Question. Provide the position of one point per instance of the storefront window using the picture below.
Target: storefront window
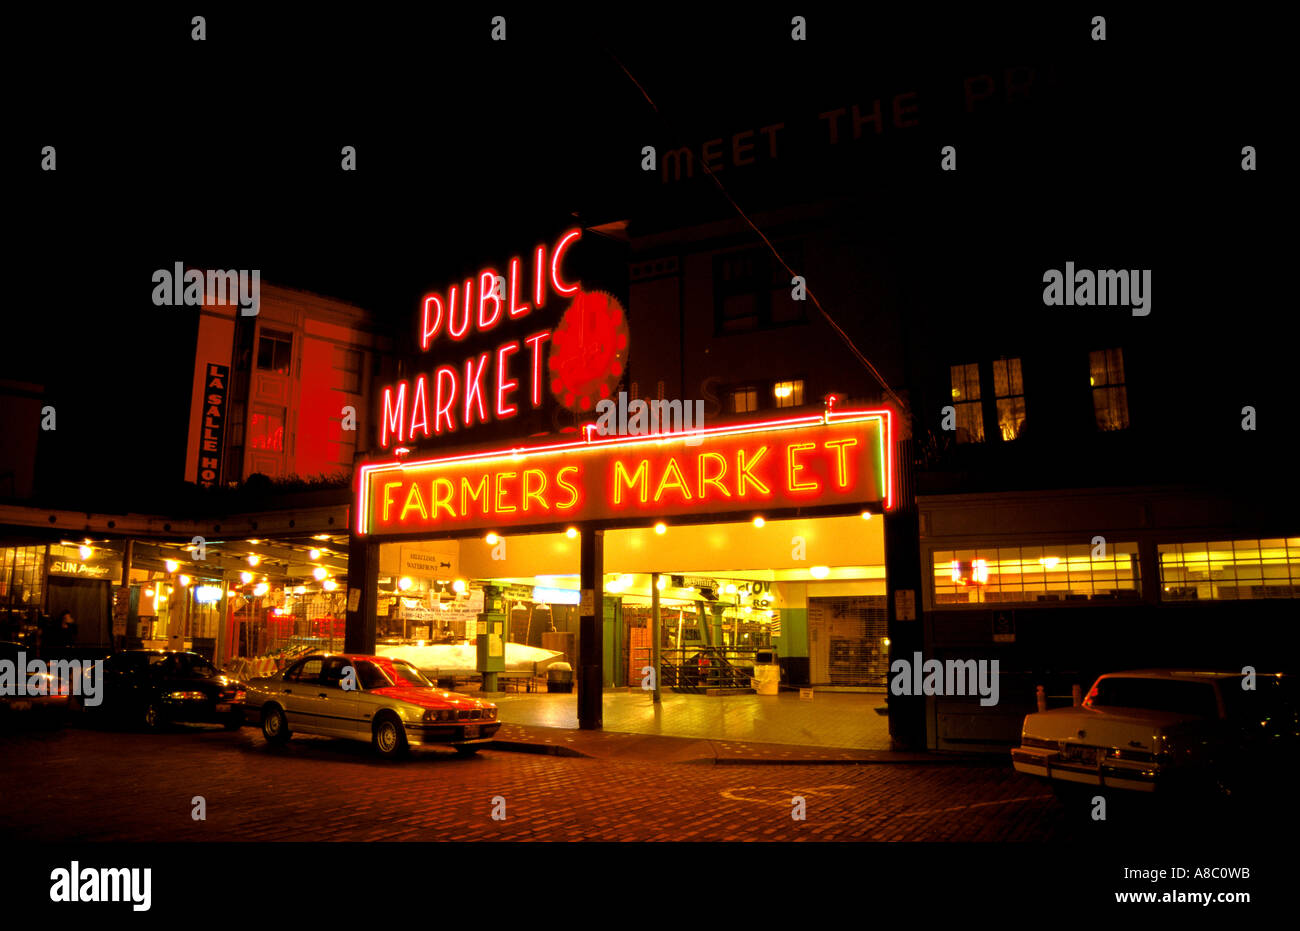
(20, 586)
(1036, 574)
(1230, 570)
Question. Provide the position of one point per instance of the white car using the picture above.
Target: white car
(378, 699)
(1151, 729)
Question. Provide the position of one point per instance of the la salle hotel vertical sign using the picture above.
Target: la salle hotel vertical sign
(216, 386)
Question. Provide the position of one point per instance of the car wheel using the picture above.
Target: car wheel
(389, 737)
(153, 716)
(275, 727)
(466, 751)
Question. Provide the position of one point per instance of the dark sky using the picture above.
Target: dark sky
(225, 153)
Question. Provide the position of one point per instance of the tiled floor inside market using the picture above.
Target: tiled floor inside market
(830, 719)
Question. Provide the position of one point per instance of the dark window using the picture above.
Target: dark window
(370, 677)
(348, 363)
(752, 291)
(308, 670)
(332, 671)
(275, 351)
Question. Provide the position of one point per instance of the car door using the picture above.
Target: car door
(301, 684)
(334, 706)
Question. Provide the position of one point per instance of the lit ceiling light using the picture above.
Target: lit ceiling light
(759, 522)
(254, 559)
(320, 572)
(459, 586)
(661, 528)
(313, 554)
(730, 589)
(261, 589)
(613, 585)
(491, 539)
(819, 572)
(85, 552)
(626, 581)
(148, 592)
(571, 532)
(300, 590)
(185, 580)
(404, 583)
(1051, 562)
(329, 585)
(245, 577)
(172, 565)
(663, 582)
(255, 542)
(866, 515)
(321, 536)
(783, 389)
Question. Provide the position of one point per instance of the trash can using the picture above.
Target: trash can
(766, 679)
(559, 677)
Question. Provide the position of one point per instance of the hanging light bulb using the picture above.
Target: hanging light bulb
(245, 577)
(313, 554)
(85, 551)
(459, 586)
(261, 589)
(404, 583)
(254, 559)
(172, 565)
(320, 572)
(329, 585)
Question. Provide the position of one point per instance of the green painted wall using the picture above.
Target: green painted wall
(794, 633)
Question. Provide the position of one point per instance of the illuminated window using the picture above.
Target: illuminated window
(1036, 574)
(1109, 398)
(266, 430)
(743, 400)
(275, 351)
(1009, 389)
(788, 393)
(966, 399)
(1230, 570)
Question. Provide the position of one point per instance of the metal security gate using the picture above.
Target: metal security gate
(849, 634)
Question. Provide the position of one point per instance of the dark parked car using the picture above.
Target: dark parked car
(157, 687)
(41, 699)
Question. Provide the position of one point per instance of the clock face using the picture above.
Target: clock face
(588, 351)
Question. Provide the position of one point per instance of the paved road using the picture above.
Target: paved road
(108, 785)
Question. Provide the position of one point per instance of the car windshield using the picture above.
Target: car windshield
(410, 675)
(1175, 695)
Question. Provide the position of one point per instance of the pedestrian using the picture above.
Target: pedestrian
(66, 633)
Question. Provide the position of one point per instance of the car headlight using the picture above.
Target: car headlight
(489, 714)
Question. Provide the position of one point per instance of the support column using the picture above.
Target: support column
(363, 576)
(907, 713)
(656, 634)
(591, 624)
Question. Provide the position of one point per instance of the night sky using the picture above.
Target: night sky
(225, 154)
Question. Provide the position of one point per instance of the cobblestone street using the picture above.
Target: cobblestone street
(103, 785)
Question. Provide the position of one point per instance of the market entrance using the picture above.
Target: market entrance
(611, 501)
(748, 613)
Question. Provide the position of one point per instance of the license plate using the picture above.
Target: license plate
(1086, 755)
(471, 730)
(221, 708)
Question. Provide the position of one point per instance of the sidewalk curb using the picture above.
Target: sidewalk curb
(543, 749)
